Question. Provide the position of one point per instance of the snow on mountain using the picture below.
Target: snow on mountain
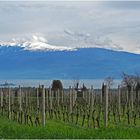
(37, 43)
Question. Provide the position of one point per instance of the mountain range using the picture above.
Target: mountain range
(85, 63)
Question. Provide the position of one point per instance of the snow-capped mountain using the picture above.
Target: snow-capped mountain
(37, 43)
(40, 43)
(86, 63)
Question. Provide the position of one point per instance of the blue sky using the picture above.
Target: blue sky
(113, 25)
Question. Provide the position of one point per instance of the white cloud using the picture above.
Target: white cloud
(74, 24)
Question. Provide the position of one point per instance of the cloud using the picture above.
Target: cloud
(104, 24)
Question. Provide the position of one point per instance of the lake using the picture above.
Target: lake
(97, 83)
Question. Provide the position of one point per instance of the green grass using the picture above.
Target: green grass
(57, 129)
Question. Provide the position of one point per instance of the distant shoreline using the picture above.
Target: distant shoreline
(96, 83)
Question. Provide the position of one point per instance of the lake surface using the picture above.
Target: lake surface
(97, 83)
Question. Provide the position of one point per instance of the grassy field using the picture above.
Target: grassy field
(57, 129)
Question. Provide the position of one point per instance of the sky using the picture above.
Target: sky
(104, 24)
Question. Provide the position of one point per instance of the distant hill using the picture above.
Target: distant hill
(86, 63)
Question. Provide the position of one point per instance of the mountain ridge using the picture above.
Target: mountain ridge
(84, 63)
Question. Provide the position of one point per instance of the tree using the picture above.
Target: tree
(57, 85)
(129, 81)
(109, 81)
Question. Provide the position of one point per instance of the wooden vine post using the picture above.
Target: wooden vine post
(83, 92)
(75, 96)
(47, 104)
(92, 98)
(37, 96)
(127, 98)
(119, 100)
(9, 103)
(106, 105)
(58, 97)
(26, 99)
(12, 97)
(132, 94)
(20, 99)
(62, 97)
(43, 106)
(70, 97)
(89, 98)
(50, 97)
(101, 96)
(138, 95)
(1, 98)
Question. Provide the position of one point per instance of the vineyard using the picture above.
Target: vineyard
(83, 110)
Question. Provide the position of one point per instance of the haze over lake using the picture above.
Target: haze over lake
(97, 83)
